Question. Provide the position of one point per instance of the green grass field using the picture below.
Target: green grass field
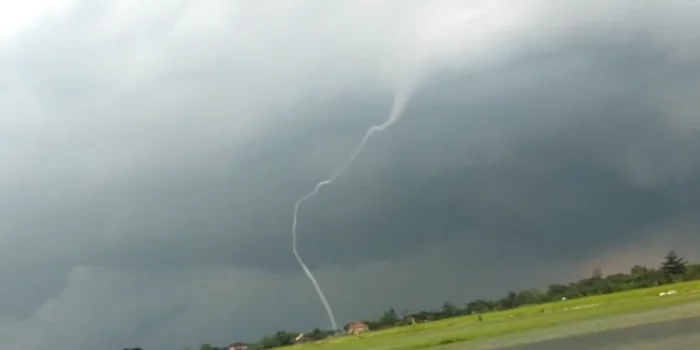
(466, 329)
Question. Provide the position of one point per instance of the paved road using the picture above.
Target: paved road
(671, 335)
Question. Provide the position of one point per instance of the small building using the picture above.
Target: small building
(357, 328)
(238, 346)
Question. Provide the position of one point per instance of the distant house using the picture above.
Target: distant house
(357, 328)
(238, 346)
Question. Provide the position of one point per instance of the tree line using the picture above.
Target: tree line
(672, 269)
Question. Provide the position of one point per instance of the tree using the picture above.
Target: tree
(389, 319)
(478, 306)
(692, 272)
(509, 301)
(597, 272)
(449, 309)
(600, 286)
(673, 265)
(638, 270)
(529, 297)
(556, 291)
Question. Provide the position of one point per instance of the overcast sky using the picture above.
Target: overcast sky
(152, 152)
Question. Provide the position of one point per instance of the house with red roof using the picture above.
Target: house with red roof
(357, 328)
(238, 346)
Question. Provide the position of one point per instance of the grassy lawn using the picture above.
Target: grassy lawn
(465, 329)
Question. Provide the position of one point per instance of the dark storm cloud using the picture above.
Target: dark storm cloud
(153, 155)
(542, 165)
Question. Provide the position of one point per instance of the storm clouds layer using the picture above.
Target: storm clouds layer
(152, 152)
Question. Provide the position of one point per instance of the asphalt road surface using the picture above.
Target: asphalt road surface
(681, 334)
